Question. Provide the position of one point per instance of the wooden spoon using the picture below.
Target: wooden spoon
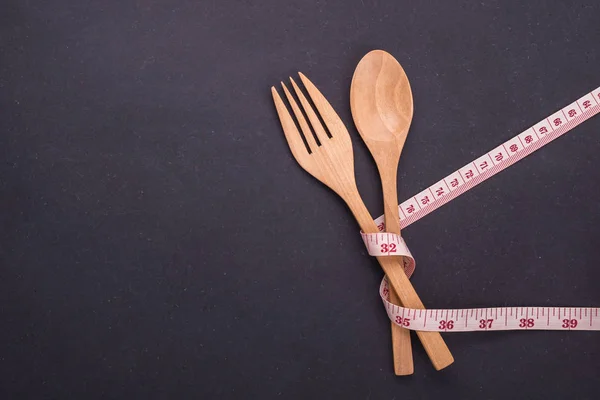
(382, 108)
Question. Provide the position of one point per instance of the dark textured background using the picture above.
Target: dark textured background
(158, 240)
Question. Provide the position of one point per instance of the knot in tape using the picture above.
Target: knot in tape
(389, 244)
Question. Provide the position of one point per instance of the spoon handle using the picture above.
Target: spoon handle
(401, 343)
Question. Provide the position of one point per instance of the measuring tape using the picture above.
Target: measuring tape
(492, 319)
(452, 186)
(476, 319)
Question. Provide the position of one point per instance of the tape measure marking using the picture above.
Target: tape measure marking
(452, 186)
(503, 156)
(389, 244)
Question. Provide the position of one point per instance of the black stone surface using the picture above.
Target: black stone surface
(157, 240)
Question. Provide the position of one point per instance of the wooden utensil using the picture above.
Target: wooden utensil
(331, 161)
(382, 108)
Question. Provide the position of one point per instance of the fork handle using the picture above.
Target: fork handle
(434, 345)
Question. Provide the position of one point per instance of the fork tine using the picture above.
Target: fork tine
(330, 117)
(314, 120)
(310, 139)
(289, 129)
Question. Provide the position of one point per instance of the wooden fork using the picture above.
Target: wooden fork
(332, 162)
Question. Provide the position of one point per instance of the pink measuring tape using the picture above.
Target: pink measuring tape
(452, 186)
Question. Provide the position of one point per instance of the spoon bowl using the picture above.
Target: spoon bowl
(381, 102)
